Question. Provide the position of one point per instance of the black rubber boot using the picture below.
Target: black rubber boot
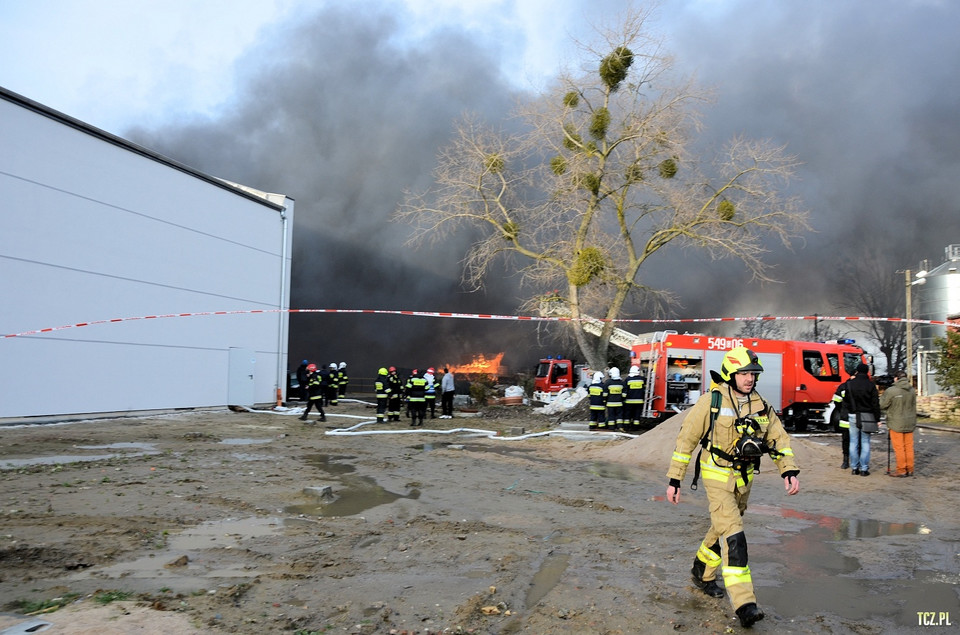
(710, 587)
(749, 614)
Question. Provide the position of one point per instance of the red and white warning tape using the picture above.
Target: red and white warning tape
(487, 316)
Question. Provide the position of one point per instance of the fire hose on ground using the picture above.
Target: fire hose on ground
(358, 428)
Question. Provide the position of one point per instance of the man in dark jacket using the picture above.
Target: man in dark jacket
(302, 379)
(861, 398)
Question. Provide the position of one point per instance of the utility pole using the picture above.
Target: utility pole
(909, 361)
(908, 282)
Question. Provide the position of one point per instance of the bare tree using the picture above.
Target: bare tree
(819, 332)
(762, 329)
(870, 288)
(601, 177)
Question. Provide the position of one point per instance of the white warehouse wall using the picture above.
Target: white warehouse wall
(95, 228)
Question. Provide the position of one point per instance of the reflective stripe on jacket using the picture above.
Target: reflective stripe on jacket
(598, 396)
(634, 389)
(615, 393)
(416, 389)
(696, 423)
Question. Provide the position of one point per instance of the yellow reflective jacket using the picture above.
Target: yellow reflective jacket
(724, 435)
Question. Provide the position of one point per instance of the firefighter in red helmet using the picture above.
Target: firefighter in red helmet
(315, 393)
(396, 394)
(734, 427)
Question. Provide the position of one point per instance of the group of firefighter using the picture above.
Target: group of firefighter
(617, 403)
(321, 387)
(325, 386)
(419, 392)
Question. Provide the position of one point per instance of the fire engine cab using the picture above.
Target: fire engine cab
(798, 380)
(557, 374)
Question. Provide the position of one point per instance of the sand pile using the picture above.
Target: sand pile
(654, 448)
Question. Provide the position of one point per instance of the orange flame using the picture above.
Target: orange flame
(480, 365)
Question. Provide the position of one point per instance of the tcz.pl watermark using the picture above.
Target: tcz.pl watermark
(933, 618)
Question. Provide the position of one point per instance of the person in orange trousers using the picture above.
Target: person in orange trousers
(899, 401)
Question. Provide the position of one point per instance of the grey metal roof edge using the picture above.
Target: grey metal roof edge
(29, 104)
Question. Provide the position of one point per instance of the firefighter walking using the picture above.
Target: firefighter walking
(315, 390)
(734, 427)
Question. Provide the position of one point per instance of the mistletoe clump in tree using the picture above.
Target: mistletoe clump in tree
(602, 177)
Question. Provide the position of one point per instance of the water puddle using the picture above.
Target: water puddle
(223, 533)
(245, 456)
(128, 445)
(546, 578)
(358, 494)
(244, 441)
(818, 575)
(844, 528)
(331, 463)
(430, 447)
(145, 449)
(201, 551)
(504, 450)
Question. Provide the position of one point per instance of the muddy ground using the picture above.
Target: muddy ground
(253, 522)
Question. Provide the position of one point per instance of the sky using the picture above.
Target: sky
(343, 104)
(117, 63)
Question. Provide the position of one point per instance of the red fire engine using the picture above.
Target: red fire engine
(798, 380)
(555, 374)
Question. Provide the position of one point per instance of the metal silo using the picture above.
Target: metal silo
(938, 298)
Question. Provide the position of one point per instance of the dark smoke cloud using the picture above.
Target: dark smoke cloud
(340, 112)
(337, 113)
(864, 94)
